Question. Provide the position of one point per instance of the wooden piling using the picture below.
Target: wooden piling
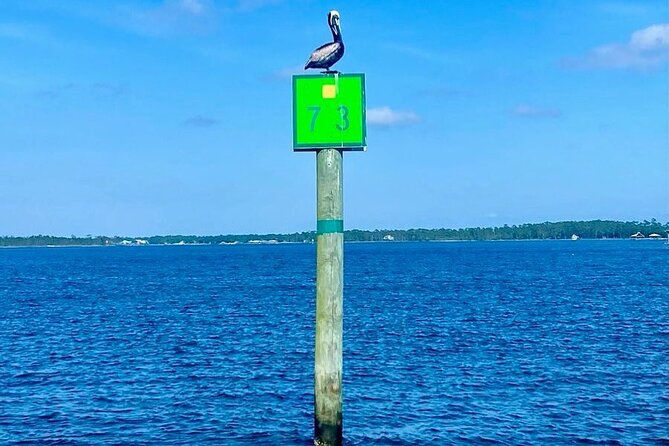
(329, 299)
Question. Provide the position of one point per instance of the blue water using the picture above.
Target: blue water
(541, 343)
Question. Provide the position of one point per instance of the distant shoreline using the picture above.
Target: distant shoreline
(382, 242)
(564, 230)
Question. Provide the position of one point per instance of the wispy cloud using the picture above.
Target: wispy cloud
(56, 91)
(22, 31)
(624, 8)
(168, 18)
(419, 53)
(183, 16)
(387, 117)
(252, 5)
(71, 88)
(155, 18)
(149, 18)
(530, 111)
(192, 6)
(646, 49)
(443, 92)
(110, 89)
(200, 121)
(284, 74)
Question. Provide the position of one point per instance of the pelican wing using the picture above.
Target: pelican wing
(322, 54)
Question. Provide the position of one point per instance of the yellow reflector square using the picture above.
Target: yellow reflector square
(329, 92)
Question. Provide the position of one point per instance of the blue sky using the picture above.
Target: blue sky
(155, 117)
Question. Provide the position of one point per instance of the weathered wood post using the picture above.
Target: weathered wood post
(329, 118)
(329, 298)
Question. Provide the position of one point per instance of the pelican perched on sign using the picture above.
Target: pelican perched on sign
(329, 54)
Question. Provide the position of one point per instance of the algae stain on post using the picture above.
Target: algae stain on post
(329, 299)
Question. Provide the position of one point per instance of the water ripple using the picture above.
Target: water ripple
(460, 343)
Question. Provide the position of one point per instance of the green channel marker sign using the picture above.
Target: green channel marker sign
(329, 112)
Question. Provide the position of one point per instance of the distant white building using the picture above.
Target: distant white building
(125, 243)
(141, 242)
(637, 235)
(388, 238)
(654, 236)
(263, 242)
(575, 237)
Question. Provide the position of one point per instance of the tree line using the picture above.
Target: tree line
(593, 229)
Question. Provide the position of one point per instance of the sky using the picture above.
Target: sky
(138, 117)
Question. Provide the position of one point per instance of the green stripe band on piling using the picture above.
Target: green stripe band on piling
(329, 227)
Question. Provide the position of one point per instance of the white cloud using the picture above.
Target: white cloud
(530, 111)
(646, 49)
(654, 37)
(385, 116)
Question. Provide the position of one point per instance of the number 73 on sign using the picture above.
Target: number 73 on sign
(329, 112)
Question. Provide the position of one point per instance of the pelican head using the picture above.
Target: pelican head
(333, 20)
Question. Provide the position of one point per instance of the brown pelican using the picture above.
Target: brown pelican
(329, 54)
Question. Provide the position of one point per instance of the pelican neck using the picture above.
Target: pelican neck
(336, 33)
